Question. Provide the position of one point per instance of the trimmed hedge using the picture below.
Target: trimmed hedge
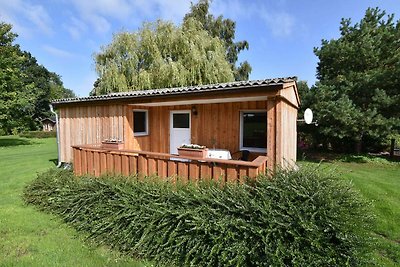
(302, 218)
(38, 134)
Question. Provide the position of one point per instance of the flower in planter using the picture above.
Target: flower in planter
(192, 146)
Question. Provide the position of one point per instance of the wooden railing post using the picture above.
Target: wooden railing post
(77, 164)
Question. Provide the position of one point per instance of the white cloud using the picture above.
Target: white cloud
(75, 27)
(233, 9)
(99, 14)
(281, 24)
(26, 16)
(172, 10)
(108, 8)
(278, 21)
(38, 15)
(99, 23)
(58, 52)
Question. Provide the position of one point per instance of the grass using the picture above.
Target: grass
(381, 184)
(32, 238)
(378, 180)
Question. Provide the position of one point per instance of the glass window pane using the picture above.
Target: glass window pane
(181, 120)
(255, 129)
(139, 122)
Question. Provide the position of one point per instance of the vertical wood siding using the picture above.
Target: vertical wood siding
(271, 133)
(89, 125)
(213, 121)
(286, 149)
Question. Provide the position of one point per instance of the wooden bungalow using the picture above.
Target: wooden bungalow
(48, 124)
(140, 131)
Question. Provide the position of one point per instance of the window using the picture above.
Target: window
(140, 122)
(253, 131)
(181, 120)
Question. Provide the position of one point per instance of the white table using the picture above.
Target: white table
(219, 154)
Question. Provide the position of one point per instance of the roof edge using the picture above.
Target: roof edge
(178, 90)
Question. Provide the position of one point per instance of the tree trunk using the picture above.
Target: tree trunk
(392, 141)
(359, 144)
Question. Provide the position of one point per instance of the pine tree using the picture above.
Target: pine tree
(357, 98)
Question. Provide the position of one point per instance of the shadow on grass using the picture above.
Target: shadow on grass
(55, 161)
(369, 158)
(14, 141)
(355, 159)
(323, 156)
(317, 156)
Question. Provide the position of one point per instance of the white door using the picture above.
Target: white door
(179, 130)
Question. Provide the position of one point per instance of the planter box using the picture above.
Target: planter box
(194, 153)
(112, 145)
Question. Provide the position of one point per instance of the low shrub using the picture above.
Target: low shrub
(297, 218)
(366, 158)
(38, 134)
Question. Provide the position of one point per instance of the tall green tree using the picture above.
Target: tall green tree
(46, 86)
(26, 88)
(225, 30)
(161, 55)
(357, 98)
(14, 105)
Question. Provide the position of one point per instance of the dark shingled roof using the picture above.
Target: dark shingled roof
(179, 90)
(52, 119)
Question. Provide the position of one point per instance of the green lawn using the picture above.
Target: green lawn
(378, 180)
(32, 238)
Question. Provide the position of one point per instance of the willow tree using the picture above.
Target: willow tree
(225, 30)
(161, 55)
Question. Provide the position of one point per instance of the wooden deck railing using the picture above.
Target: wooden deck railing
(92, 159)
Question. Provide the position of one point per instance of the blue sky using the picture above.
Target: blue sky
(64, 34)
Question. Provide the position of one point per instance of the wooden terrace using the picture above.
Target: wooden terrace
(95, 160)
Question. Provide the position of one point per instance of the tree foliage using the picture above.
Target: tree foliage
(225, 30)
(161, 55)
(357, 98)
(26, 88)
(12, 100)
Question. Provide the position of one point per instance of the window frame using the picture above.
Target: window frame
(181, 112)
(251, 149)
(146, 111)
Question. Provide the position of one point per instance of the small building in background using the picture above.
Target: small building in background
(49, 124)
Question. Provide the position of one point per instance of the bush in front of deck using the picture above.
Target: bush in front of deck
(302, 218)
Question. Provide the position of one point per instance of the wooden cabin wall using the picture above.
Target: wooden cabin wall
(92, 124)
(286, 149)
(89, 125)
(220, 122)
(158, 138)
(290, 94)
(272, 132)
